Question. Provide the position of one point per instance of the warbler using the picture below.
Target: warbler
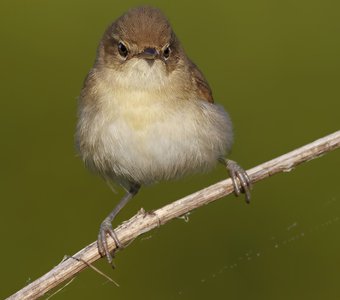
(146, 112)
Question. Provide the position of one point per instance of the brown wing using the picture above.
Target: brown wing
(201, 83)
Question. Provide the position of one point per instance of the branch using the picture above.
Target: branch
(143, 221)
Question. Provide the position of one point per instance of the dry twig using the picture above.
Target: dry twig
(143, 221)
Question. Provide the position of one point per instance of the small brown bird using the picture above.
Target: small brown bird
(146, 113)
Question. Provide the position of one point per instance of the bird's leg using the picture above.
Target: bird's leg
(106, 225)
(239, 177)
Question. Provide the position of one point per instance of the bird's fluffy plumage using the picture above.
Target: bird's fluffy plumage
(141, 122)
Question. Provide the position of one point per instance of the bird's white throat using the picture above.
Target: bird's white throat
(141, 74)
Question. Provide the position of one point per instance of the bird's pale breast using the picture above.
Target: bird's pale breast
(145, 137)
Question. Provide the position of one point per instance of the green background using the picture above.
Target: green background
(274, 65)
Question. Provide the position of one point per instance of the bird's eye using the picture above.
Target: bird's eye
(166, 52)
(122, 49)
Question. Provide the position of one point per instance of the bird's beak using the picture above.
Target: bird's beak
(149, 53)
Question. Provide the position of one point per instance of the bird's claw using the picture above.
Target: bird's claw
(106, 228)
(240, 179)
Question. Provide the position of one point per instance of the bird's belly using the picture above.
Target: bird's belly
(161, 142)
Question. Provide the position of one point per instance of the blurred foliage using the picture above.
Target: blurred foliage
(275, 66)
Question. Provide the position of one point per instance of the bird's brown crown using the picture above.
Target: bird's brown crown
(146, 26)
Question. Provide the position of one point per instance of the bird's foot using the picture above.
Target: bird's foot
(239, 177)
(106, 228)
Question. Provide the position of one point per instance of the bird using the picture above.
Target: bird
(146, 113)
